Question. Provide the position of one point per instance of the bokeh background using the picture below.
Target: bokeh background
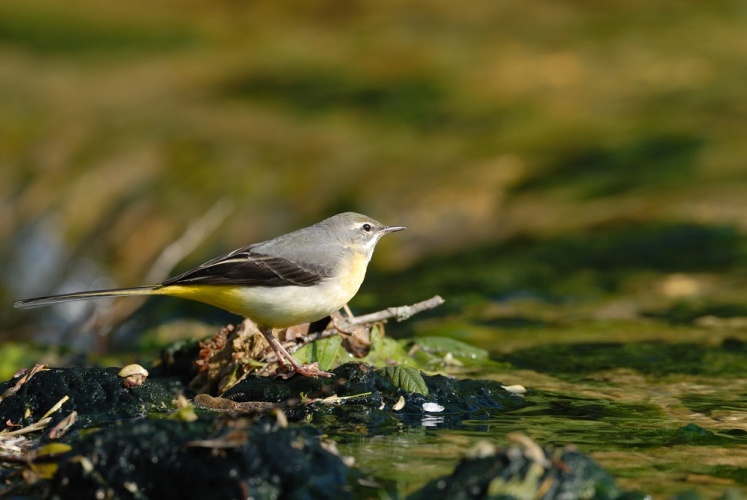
(573, 176)
(549, 158)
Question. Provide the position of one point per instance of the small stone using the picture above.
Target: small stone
(134, 375)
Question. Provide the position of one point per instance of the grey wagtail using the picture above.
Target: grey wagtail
(296, 278)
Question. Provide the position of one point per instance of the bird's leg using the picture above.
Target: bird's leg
(283, 355)
(337, 318)
(347, 310)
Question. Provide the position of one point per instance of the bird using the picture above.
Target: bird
(299, 277)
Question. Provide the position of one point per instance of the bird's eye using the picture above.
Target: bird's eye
(366, 227)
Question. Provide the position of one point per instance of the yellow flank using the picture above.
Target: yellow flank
(280, 307)
(224, 297)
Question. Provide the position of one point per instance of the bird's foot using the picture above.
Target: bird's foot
(286, 371)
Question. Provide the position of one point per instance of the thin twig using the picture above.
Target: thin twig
(25, 378)
(401, 313)
(36, 426)
(196, 232)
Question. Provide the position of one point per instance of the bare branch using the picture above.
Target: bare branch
(401, 313)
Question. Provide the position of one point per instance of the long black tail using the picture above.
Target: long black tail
(95, 294)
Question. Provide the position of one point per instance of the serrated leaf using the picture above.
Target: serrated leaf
(407, 378)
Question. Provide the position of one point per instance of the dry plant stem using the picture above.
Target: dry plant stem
(196, 233)
(25, 378)
(36, 426)
(103, 321)
(227, 406)
(401, 313)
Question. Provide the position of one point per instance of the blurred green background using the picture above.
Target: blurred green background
(579, 153)
(573, 176)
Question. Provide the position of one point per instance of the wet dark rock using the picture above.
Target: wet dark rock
(116, 452)
(208, 458)
(513, 473)
(178, 360)
(449, 402)
(97, 394)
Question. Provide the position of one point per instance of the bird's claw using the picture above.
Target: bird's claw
(287, 371)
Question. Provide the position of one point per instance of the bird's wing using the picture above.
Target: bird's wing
(246, 267)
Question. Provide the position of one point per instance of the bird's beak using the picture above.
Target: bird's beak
(392, 229)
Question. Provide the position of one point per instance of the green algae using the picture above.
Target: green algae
(650, 358)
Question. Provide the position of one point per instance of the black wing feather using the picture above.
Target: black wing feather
(248, 268)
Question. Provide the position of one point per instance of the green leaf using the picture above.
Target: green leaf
(385, 350)
(327, 352)
(407, 378)
(443, 345)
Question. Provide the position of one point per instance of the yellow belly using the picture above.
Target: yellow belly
(279, 307)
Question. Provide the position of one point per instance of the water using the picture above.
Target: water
(662, 437)
(626, 356)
